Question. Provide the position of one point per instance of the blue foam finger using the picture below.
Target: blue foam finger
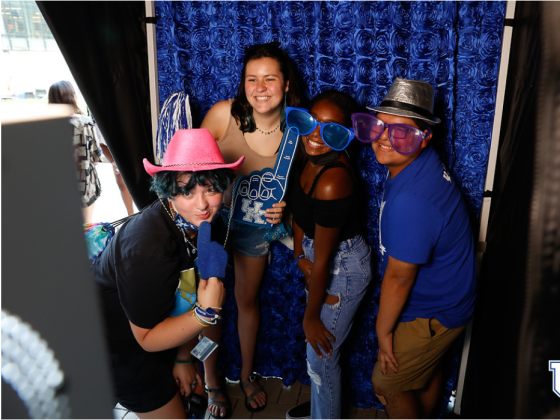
(258, 191)
(212, 257)
(204, 235)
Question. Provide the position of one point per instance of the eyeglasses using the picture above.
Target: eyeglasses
(404, 138)
(336, 136)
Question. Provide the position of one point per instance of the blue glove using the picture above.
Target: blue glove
(212, 257)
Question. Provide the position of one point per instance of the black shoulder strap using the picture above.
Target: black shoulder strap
(119, 222)
(330, 165)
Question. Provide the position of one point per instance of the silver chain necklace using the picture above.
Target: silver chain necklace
(194, 248)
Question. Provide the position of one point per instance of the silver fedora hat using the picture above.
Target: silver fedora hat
(411, 99)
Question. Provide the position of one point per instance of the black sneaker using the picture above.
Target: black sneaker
(300, 411)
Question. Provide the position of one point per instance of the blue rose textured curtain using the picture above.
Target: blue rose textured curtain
(359, 48)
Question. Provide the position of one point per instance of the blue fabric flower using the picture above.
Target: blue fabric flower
(358, 47)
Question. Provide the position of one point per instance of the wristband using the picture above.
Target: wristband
(183, 361)
(296, 269)
(210, 311)
(206, 313)
(203, 324)
(199, 315)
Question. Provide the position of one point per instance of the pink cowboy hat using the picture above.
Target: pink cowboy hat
(192, 150)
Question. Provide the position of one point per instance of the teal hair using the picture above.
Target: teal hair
(165, 184)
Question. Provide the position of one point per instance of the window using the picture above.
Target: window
(24, 27)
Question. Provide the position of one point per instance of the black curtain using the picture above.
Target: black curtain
(493, 371)
(490, 379)
(539, 338)
(104, 44)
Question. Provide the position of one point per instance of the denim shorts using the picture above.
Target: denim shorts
(248, 240)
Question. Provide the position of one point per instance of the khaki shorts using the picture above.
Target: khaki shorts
(418, 346)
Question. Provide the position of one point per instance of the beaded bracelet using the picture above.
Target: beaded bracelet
(183, 362)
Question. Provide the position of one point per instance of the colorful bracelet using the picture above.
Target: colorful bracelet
(200, 314)
(207, 312)
(197, 304)
(197, 320)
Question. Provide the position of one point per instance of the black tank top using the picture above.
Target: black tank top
(308, 211)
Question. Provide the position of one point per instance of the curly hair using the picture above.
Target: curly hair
(342, 101)
(165, 185)
(241, 109)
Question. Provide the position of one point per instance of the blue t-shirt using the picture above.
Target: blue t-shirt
(424, 220)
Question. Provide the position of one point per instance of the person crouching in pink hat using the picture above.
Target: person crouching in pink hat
(160, 288)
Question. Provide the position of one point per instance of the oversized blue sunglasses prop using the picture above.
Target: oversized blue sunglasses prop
(336, 136)
(404, 138)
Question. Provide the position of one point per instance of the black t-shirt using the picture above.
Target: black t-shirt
(138, 276)
(138, 273)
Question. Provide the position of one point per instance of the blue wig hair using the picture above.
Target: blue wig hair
(165, 184)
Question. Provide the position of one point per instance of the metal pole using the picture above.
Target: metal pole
(153, 73)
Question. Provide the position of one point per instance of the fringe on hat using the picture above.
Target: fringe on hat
(175, 115)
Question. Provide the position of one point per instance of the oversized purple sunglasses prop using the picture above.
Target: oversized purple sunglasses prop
(404, 138)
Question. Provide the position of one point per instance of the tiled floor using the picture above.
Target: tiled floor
(280, 400)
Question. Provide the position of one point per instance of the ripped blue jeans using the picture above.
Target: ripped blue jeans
(350, 275)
